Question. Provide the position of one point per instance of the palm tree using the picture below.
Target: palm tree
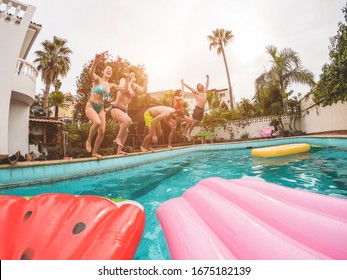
(267, 99)
(53, 61)
(286, 69)
(57, 99)
(219, 39)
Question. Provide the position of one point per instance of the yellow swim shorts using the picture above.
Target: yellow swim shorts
(148, 119)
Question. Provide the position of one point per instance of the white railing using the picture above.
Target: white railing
(26, 69)
(11, 11)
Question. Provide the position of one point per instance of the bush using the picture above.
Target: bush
(245, 135)
(54, 153)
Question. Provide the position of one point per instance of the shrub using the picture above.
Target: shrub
(245, 135)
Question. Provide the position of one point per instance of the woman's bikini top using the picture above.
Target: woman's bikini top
(130, 91)
(100, 90)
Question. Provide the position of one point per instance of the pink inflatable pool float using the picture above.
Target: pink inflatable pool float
(252, 220)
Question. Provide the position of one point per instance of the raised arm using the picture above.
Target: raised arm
(92, 75)
(139, 89)
(160, 117)
(123, 84)
(207, 82)
(190, 88)
(154, 122)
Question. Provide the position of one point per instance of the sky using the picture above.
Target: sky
(170, 37)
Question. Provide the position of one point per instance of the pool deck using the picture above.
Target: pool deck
(69, 160)
(28, 173)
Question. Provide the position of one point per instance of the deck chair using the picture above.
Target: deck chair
(266, 132)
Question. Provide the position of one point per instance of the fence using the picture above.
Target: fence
(313, 119)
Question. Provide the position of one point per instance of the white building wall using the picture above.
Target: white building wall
(18, 128)
(12, 34)
(323, 119)
(225, 97)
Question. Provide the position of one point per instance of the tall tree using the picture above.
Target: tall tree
(53, 61)
(332, 84)
(286, 69)
(220, 39)
(246, 108)
(267, 99)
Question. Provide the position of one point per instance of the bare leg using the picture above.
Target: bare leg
(188, 130)
(92, 131)
(171, 135)
(123, 137)
(101, 134)
(124, 122)
(146, 142)
(187, 121)
(95, 118)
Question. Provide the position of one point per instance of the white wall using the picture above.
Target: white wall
(313, 120)
(323, 119)
(12, 36)
(18, 128)
(251, 126)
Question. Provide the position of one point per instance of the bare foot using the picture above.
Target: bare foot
(188, 137)
(151, 149)
(143, 149)
(170, 147)
(119, 150)
(97, 156)
(88, 146)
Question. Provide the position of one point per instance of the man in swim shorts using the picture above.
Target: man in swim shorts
(198, 113)
(153, 117)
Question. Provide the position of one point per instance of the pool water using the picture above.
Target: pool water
(322, 170)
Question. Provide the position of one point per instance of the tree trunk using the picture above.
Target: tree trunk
(46, 97)
(229, 82)
(285, 106)
(56, 111)
(284, 97)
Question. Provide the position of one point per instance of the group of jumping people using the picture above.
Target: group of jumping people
(126, 89)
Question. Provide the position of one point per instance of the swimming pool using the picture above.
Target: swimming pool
(322, 170)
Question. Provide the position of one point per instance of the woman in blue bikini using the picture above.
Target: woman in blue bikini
(95, 106)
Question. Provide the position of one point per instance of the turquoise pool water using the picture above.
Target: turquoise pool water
(321, 170)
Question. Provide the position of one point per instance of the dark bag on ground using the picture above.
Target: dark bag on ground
(13, 159)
